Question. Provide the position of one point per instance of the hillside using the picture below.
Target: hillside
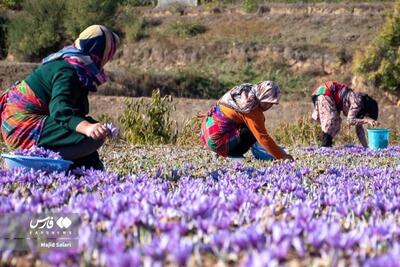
(299, 45)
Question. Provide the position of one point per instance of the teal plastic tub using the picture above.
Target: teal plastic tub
(36, 163)
(378, 138)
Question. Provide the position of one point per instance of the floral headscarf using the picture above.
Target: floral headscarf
(95, 46)
(246, 97)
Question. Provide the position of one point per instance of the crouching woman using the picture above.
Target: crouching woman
(237, 122)
(49, 108)
(331, 98)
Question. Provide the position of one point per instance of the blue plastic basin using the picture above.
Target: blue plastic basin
(378, 138)
(260, 153)
(36, 163)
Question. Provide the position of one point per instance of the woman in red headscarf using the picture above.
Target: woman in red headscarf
(49, 108)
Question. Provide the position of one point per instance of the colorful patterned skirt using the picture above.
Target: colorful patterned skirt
(219, 133)
(22, 116)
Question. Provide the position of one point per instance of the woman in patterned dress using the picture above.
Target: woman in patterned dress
(49, 108)
(236, 122)
(333, 97)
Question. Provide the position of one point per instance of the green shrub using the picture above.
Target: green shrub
(250, 5)
(187, 29)
(135, 3)
(149, 123)
(45, 25)
(10, 4)
(82, 14)
(197, 85)
(380, 62)
(134, 28)
(37, 30)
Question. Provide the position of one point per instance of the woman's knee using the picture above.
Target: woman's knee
(92, 144)
(98, 143)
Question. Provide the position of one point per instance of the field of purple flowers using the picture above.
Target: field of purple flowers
(185, 207)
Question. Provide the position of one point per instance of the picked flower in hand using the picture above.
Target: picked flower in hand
(113, 130)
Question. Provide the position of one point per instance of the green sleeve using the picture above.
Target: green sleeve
(65, 94)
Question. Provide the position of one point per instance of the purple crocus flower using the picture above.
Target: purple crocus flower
(112, 129)
(40, 152)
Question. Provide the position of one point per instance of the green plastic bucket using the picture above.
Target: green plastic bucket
(378, 138)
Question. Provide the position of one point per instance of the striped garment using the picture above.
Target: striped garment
(219, 133)
(22, 117)
(335, 90)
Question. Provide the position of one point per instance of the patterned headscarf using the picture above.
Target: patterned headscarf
(246, 97)
(95, 46)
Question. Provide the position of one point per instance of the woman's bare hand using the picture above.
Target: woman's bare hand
(371, 122)
(97, 131)
(288, 157)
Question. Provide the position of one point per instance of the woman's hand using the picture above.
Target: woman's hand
(288, 157)
(371, 122)
(97, 131)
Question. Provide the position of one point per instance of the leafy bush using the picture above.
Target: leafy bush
(37, 30)
(133, 28)
(149, 123)
(187, 29)
(44, 25)
(10, 4)
(82, 14)
(197, 85)
(138, 2)
(380, 62)
(250, 5)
